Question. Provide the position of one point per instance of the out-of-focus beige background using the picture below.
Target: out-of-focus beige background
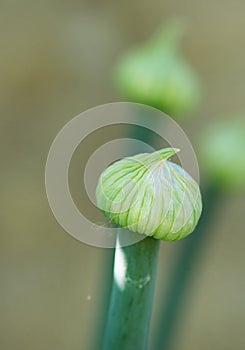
(55, 62)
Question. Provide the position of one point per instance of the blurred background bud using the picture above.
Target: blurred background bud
(156, 73)
(222, 146)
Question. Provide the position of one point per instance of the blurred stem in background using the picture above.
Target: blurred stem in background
(182, 271)
(221, 147)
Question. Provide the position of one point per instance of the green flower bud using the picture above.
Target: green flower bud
(156, 74)
(221, 150)
(148, 194)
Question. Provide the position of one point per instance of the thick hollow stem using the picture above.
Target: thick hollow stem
(132, 296)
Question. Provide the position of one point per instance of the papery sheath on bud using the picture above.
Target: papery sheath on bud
(150, 195)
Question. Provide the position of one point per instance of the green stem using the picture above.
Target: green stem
(132, 296)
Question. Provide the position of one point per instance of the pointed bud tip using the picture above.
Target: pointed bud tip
(166, 153)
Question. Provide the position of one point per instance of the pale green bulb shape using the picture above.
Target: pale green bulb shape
(150, 195)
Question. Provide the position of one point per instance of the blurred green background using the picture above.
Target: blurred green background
(56, 61)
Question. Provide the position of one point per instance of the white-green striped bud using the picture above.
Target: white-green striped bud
(150, 195)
